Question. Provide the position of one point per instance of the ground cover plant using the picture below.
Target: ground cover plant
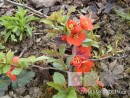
(66, 53)
(17, 25)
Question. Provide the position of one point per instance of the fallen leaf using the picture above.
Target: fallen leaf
(38, 40)
(112, 65)
(104, 67)
(78, 2)
(93, 16)
(108, 8)
(110, 79)
(118, 69)
(41, 3)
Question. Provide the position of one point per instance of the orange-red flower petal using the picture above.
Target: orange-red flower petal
(12, 68)
(85, 67)
(77, 29)
(63, 37)
(86, 23)
(76, 61)
(83, 51)
(12, 76)
(76, 38)
(15, 60)
(71, 25)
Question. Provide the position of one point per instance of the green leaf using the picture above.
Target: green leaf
(58, 65)
(95, 45)
(32, 18)
(31, 59)
(54, 96)
(17, 71)
(21, 36)
(6, 68)
(67, 31)
(2, 46)
(45, 21)
(41, 58)
(24, 63)
(65, 19)
(110, 48)
(59, 78)
(54, 85)
(9, 57)
(2, 55)
(4, 83)
(62, 50)
(21, 12)
(23, 78)
(13, 38)
(122, 14)
(62, 94)
(87, 40)
(15, 29)
(7, 36)
(71, 93)
(68, 60)
(72, 9)
(29, 30)
(51, 52)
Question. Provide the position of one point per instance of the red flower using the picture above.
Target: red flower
(15, 60)
(77, 29)
(86, 23)
(9, 73)
(83, 51)
(85, 67)
(100, 83)
(76, 61)
(12, 76)
(63, 37)
(71, 25)
(76, 38)
(12, 68)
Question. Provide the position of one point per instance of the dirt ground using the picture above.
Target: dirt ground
(112, 28)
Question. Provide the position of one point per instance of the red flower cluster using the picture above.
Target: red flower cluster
(80, 59)
(9, 73)
(76, 36)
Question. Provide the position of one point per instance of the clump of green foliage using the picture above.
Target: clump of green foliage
(57, 22)
(125, 16)
(11, 68)
(17, 26)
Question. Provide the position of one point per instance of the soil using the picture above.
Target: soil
(112, 28)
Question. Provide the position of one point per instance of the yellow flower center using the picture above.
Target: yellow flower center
(75, 36)
(71, 26)
(86, 22)
(77, 59)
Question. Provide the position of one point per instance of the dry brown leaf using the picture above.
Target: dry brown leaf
(41, 3)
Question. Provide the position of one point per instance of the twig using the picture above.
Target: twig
(25, 6)
(46, 68)
(38, 33)
(99, 59)
(28, 46)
